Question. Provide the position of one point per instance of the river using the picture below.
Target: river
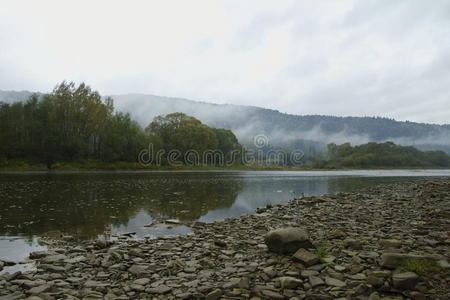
(92, 204)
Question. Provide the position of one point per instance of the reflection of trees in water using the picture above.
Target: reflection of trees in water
(188, 201)
(86, 205)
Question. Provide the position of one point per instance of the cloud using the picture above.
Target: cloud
(362, 58)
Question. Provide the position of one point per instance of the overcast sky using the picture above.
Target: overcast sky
(384, 57)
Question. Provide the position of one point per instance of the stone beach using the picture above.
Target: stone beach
(389, 241)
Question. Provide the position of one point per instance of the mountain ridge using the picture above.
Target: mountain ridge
(278, 127)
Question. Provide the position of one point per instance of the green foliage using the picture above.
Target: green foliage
(72, 126)
(321, 252)
(421, 267)
(186, 134)
(71, 123)
(381, 155)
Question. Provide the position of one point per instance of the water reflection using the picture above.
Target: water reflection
(86, 205)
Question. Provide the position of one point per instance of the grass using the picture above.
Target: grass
(321, 252)
(329, 265)
(421, 267)
(342, 243)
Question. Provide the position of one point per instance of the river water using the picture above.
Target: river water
(88, 205)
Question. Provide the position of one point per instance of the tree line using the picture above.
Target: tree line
(74, 123)
(386, 154)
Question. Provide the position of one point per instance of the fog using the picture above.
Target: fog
(248, 122)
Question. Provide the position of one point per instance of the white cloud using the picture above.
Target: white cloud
(387, 58)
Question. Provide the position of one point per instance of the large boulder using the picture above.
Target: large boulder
(287, 240)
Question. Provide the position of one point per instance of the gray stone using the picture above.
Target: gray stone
(405, 281)
(244, 283)
(272, 295)
(214, 295)
(54, 258)
(305, 257)
(353, 244)
(138, 269)
(334, 282)
(13, 296)
(95, 284)
(161, 289)
(39, 289)
(390, 243)
(287, 240)
(315, 281)
(374, 296)
(307, 273)
(142, 281)
(288, 282)
(41, 254)
(443, 264)
(75, 260)
(52, 268)
(375, 281)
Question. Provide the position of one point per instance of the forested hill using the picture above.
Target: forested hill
(248, 121)
(15, 96)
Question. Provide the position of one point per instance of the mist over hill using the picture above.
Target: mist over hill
(307, 132)
(286, 129)
(15, 96)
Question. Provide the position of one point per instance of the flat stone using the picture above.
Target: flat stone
(95, 284)
(443, 264)
(375, 281)
(374, 296)
(173, 221)
(390, 243)
(75, 260)
(13, 296)
(244, 283)
(142, 281)
(54, 258)
(288, 282)
(334, 282)
(353, 244)
(381, 273)
(161, 289)
(214, 295)
(272, 295)
(39, 289)
(52, 268)
(315, 281)
(307, 273)
(41, 254)
(138, 269)
(137, 287)
(305, 257)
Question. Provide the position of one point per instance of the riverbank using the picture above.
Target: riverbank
(354, 239)
(135, 167)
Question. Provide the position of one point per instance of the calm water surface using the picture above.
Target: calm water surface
(86, 205)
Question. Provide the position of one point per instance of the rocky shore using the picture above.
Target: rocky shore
(385, 242)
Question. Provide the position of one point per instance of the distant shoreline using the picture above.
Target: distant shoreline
(68, 170)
